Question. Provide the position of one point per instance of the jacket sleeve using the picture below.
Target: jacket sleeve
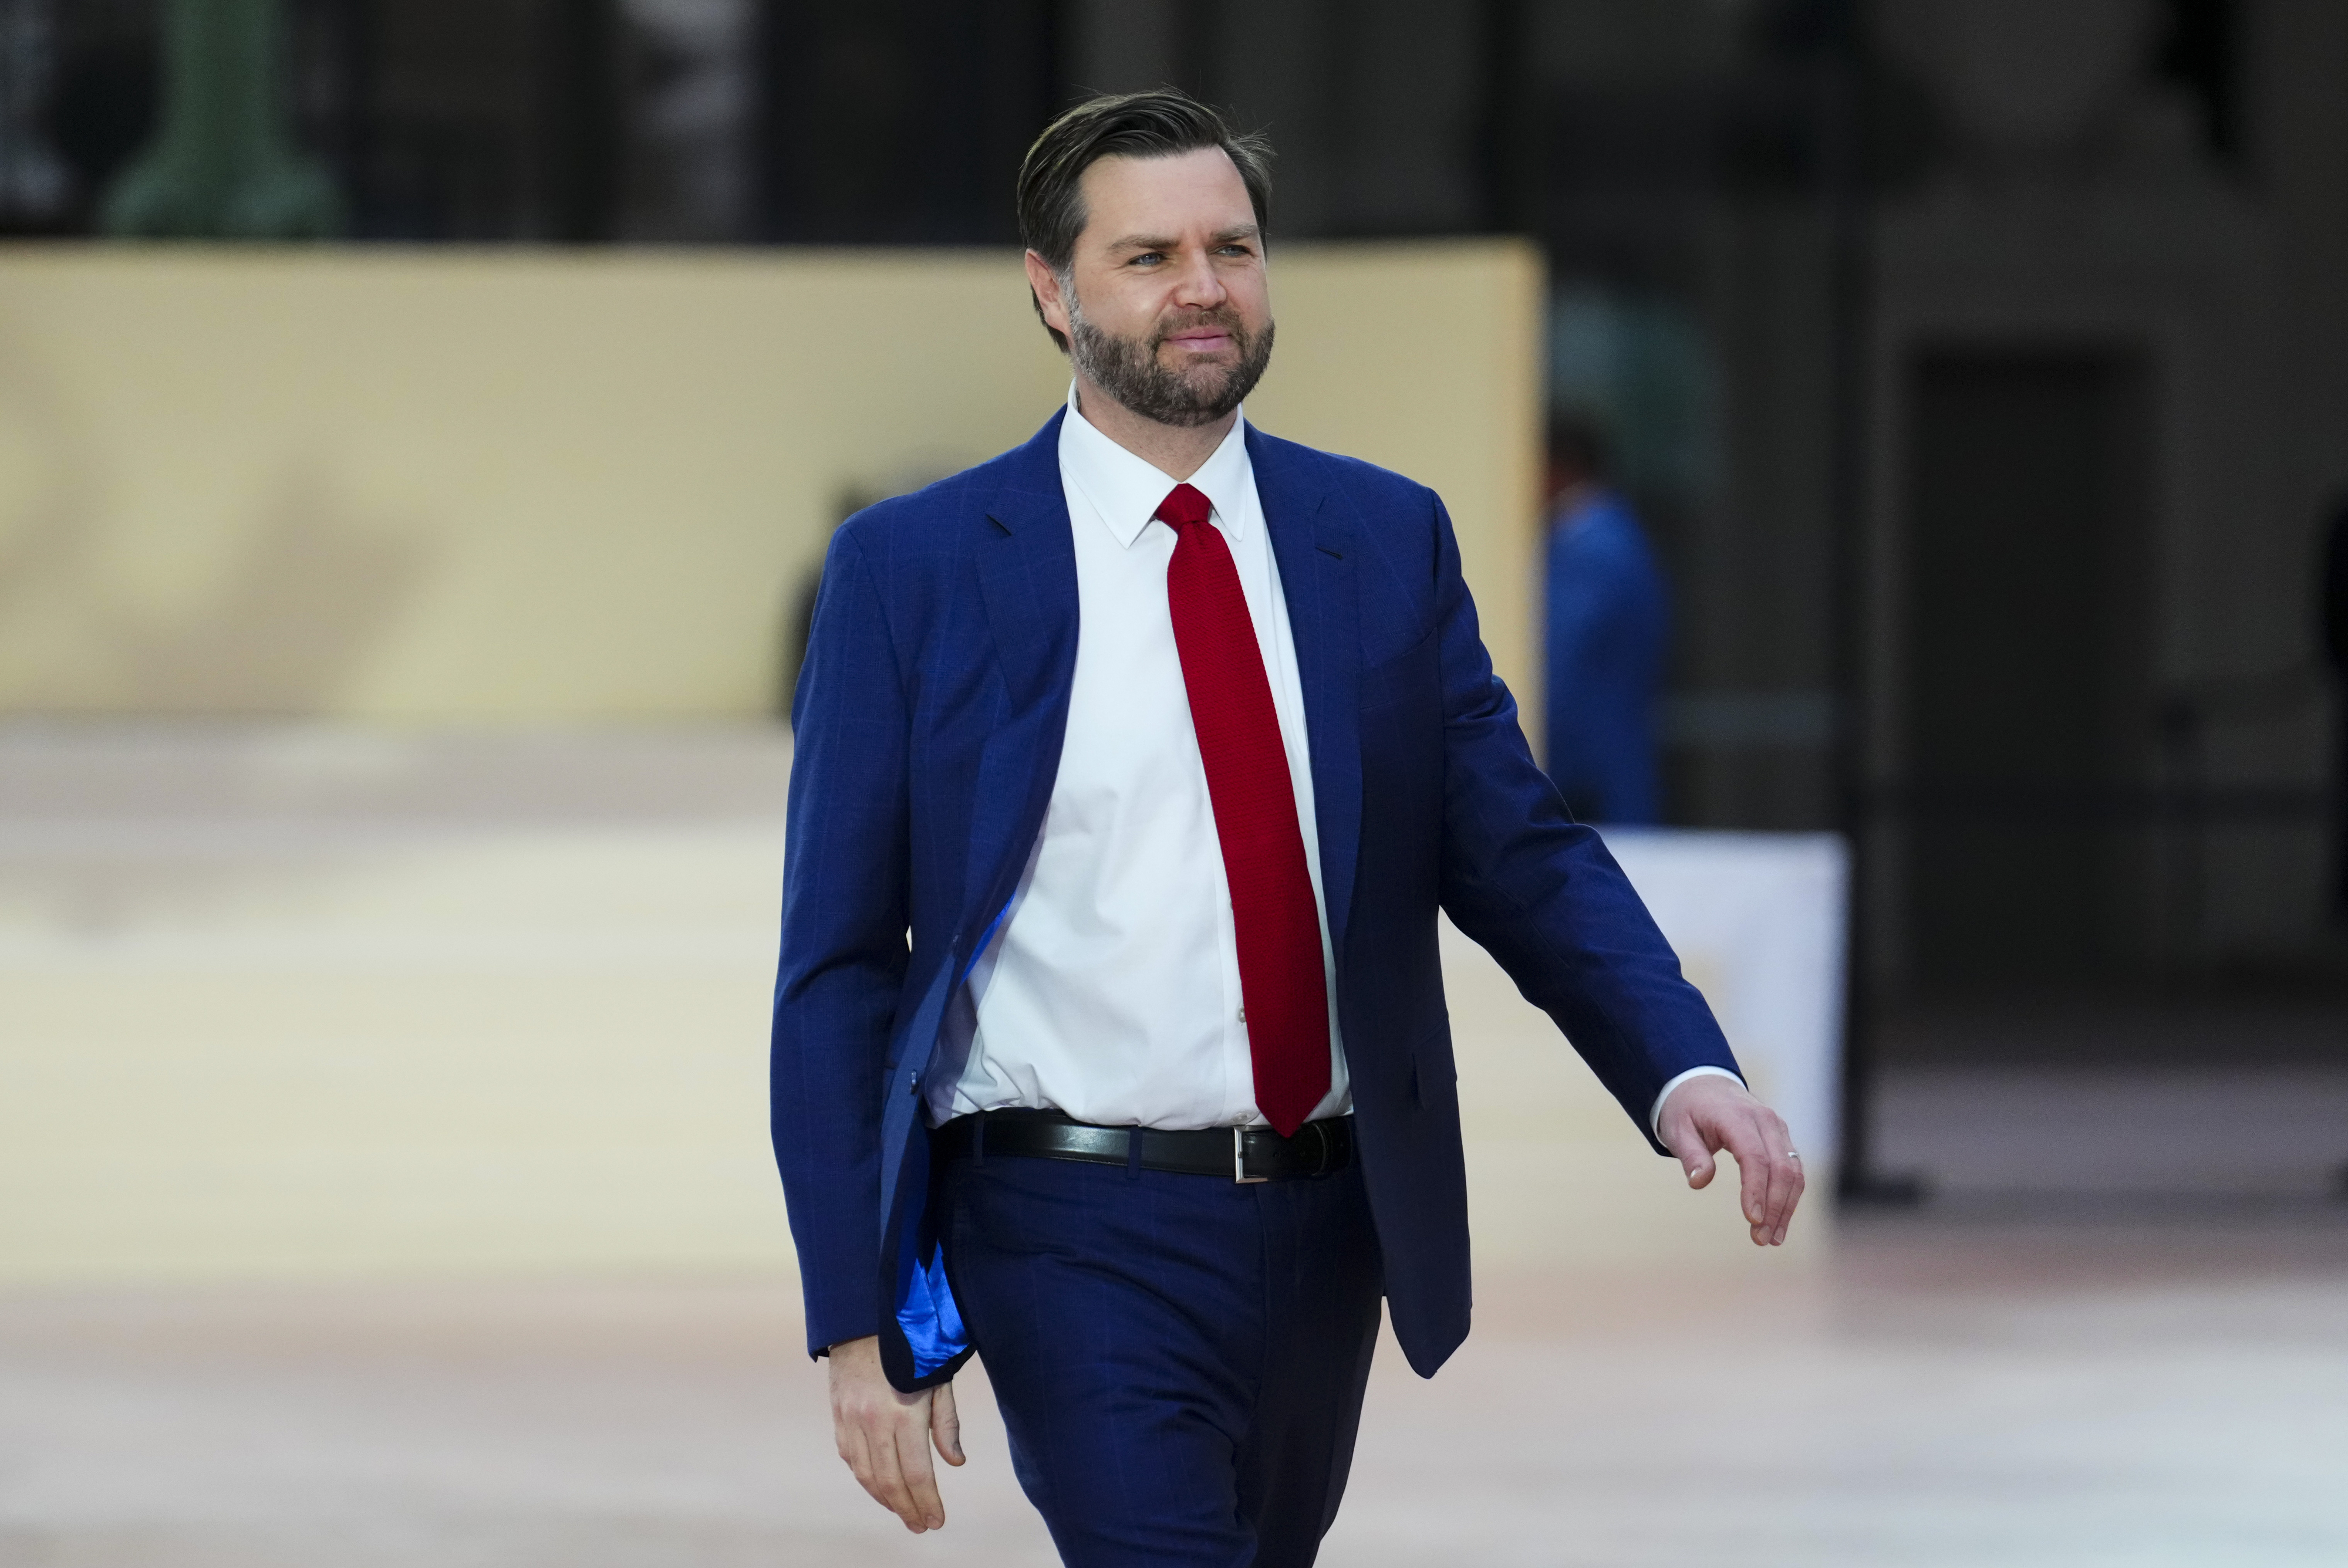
(844, 955)
(1540, 893)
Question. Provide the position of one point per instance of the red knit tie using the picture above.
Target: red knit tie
(1282, 979)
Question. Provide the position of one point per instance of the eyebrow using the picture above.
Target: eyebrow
(1161, 243)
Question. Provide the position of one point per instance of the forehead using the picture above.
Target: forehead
(1163, 196)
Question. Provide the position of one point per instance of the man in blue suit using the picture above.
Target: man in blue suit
(1609, 627)
(1133, 769)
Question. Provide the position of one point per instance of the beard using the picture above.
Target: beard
(1129, 369)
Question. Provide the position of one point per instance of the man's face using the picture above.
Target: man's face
(1166, 307)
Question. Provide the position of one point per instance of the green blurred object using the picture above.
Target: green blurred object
(224, 165)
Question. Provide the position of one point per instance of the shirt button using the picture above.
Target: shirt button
(1244, 1015)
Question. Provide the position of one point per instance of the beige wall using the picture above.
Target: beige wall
(450, 485)
(298, 999)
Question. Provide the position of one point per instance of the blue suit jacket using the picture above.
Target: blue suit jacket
(930, 714)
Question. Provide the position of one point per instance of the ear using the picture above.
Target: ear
(1049, 302)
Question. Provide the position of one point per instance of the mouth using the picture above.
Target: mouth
(1199, 340)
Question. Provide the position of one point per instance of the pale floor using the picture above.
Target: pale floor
(2170, 1134)
(2121, 1338)
(1945, 1393)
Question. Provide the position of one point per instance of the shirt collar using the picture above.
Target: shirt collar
(1127, 490)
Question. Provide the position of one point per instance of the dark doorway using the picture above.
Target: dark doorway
(2028, 692)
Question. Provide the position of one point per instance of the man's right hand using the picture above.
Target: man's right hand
(885, 1434)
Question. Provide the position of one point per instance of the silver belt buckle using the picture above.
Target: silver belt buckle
(1239, 1159)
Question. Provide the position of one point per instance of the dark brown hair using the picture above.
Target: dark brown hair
(1577, 440)
(1158, 123)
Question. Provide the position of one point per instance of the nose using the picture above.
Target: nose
(1197, 287)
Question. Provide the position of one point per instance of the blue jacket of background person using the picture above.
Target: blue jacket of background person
(1609, 625)
(929, 717)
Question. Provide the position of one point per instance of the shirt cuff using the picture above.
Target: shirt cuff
(1655, 1114)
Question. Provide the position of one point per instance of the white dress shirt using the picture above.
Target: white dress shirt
(1110, 990)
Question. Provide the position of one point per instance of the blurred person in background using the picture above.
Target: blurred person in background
(1609, 621)
(1132, 769)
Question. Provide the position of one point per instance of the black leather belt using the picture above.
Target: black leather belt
(1235, 1153)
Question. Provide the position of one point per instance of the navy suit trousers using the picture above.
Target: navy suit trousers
(1179, 1360)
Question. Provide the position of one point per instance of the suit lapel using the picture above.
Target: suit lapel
(1314, 550)
(1026, 561)
(1027, 577)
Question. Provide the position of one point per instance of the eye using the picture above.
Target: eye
(1148, 259)
(1237, 248)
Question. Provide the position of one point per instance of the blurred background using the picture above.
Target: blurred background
(1923, 424)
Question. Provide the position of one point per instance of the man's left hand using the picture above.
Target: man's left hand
(1705, 1115)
